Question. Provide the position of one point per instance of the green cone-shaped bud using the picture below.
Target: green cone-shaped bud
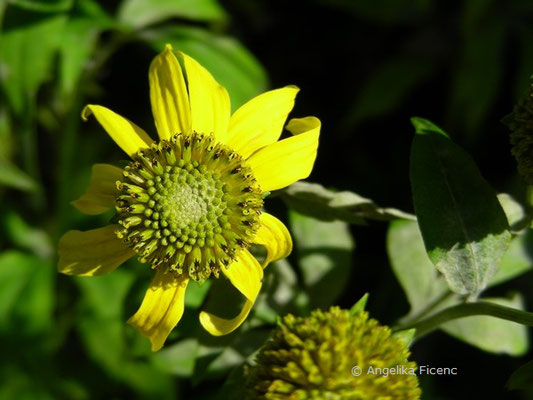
(520, 121)
(314, 358)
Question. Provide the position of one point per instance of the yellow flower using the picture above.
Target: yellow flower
(190, 204)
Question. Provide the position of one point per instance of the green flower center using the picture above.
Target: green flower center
(188, 204)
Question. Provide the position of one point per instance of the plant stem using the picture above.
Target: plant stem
(432, 323)
(413, 318)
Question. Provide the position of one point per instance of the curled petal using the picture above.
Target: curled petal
(275, 237)
(289, 160)
(162, 307)
(94, 252)
(102, 191)
(260, 121)
(168, 95)
(245, 274)
(125, 133)
(210, 103)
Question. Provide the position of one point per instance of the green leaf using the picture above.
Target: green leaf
(464, 227)
(492, 334)
(141, 13)
(11, 176)
(78, 41)
(196, 292)
(407, 336)
(421, 282)
(279, 293)
(43, 5)
(522, 378)
(27, 54)
(517, 259)
(26, 236)
(514, 211)
(231, 64)
(325, 257)
(178, 359)
(26, 293)
(360, 305)
(314, 200)
(387, 86)
(102, 328)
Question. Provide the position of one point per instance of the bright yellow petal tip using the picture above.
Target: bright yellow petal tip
(275, 236)
(246, 275)
(161, 308)
(289, 160)
(125, 133)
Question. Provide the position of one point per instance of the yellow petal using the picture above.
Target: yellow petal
(162, 307)
(275, 237)
(94, 252)
(210, 104)
(168, 95)
(289, 160)
(260, 121)
(217, 326)
(102, 191)
(125, 133)
(245, 274)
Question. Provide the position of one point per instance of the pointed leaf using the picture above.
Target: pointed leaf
(464, 227)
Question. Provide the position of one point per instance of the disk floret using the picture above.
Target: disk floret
(188, 204)
(314, 358)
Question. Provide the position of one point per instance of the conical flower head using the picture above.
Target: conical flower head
(314, 358)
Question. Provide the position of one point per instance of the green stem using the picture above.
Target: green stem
(411, 319)
(432, 323)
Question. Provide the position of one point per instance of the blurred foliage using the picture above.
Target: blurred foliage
(364, 68)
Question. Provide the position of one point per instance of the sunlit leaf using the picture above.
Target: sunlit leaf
(464, 227)
(324, 252)
(492, 334)
(43, 5)
(141, 13)
(280, 289)
(314, 200)
(421, 282)
(177, 359)
(517, 260)
(515, 212)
